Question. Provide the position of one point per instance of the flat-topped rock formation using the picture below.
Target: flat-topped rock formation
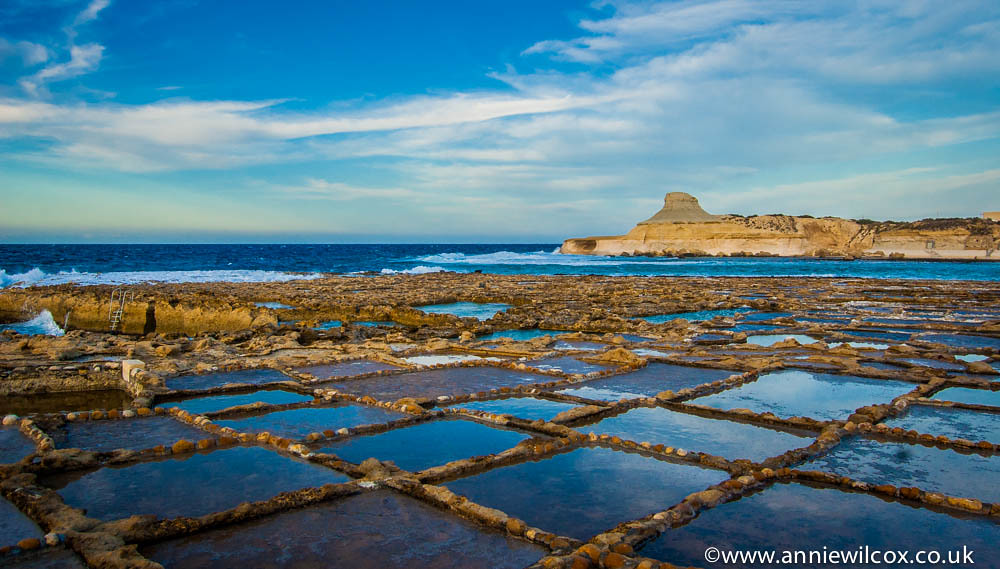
(682, 228)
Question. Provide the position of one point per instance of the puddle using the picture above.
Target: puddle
(648, 353)
(275, 305)
(634, 338)
(371, 530)
(862, 345)
(346, 369)
(479, 311)
(645, 382)
(529, 408)
(328, 325)
(728, 439)
(962, 340)
(586, 491)
(768, 340)
(297, 423)
(520, 335)
(882, 366)
(437, 382)
(754, 328)
(952, 423)
(577, 345)
(15, 526)
(64, 402)
(133, 434)
(762, 316)
(896, 336)
(205, 381)
(190, 485)
(427, 444)
(438, 359)
(697, 316)
(566, 364)
(800, 393)
(972, 358)
(935, 364)
(373, 323)
(791, 517)
(969, 395)
(202, 405)
(903, 464)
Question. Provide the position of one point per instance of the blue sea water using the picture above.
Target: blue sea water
(118, 264)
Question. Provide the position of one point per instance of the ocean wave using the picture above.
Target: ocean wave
(543, 258)
(42, 324)
(36, 277)
(418, 270)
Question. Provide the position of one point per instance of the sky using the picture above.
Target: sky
(514, 121)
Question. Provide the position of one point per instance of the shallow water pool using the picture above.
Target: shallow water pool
(970, 396)
(437, 382)
(427, 444)
(64, 402)
(790, 517)
(202, 405)
(585, 491)
(820, 396)
(297, 423)
(188, 485)
(256, 376)
(645, 382)
(530, 408)
(134, 434)
(347, 369)
(371, 530)
(728, 439)
(477, 310)
(950, 422)
(903, 464)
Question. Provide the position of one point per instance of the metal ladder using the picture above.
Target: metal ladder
(116, 310)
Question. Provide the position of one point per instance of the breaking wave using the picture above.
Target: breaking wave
(36, 277)
(42, 324)
(418, 270)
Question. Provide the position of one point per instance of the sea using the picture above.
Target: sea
(27, 265)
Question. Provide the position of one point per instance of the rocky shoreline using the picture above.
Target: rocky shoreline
(185, 343)
(683, 229)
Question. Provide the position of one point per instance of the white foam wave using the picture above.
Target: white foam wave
(36, 277)
(542, 258)
(42, 324)
(418, 270)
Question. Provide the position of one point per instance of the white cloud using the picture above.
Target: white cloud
(31, 54)
(82, 59)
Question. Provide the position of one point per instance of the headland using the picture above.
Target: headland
(683, 228)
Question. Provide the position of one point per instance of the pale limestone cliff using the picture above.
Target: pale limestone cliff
(682, 227)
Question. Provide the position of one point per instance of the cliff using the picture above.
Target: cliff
(682, 227)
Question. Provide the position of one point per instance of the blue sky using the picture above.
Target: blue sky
(485, 121)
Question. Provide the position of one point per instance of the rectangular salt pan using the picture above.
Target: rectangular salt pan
(208, 380)
(528, 408)
(728, 439)
(202, 405)
(969, 396)
(791, 517)
(427, 444)
(297, 423)
(437, 382)
(188, 485)
(133, 434)
(585, 491)
(645, 382)
(902, 464)
(819, 396)
(346, 369)
(950, 422)
(367, 531)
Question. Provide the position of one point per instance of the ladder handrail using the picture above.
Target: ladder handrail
(119, 295)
